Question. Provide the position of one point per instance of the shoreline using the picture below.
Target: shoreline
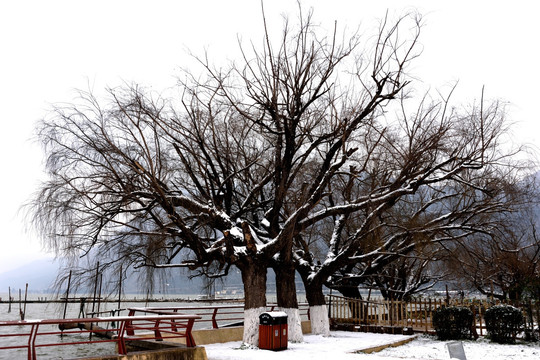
(110, 300)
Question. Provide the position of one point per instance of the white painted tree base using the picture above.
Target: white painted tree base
(251, 326)
(320, 325)
(294, 323)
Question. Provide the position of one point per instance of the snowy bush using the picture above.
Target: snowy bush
(503, 322)
(453, 323)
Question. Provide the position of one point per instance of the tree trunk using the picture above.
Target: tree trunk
(320, 323)
(254, 279)
(287, 300)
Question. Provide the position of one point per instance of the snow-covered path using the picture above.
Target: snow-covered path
(340, 345)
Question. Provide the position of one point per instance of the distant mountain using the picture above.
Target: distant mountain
(38, 274)
(41, 274)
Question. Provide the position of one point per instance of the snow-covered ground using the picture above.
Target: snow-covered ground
(341, 345)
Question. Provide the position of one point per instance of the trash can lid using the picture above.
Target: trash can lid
(275, 314)
(273, 318)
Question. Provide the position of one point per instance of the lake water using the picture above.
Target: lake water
(55, 311)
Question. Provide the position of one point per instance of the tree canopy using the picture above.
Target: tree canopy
(306, 154)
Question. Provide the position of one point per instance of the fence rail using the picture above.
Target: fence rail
(417, 314)
(217, 315)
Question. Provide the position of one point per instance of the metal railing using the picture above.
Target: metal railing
(119, 330)
(227, 315)
(165, 322)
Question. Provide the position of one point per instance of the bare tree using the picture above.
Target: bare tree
(427, 179)
(228, 175)
(403, 277)
(504, 264)
(294, 98)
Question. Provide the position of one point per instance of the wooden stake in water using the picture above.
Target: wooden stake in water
(120, 288)
(9, 299)
(99, 293)
(94, 299)
(20, 308)
(95, 290)
(67, 294)
(25, 299)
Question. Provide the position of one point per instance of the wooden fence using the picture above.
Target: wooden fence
(416, 315)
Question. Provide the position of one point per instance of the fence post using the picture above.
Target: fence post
(426, 316)
(128, 326)
(343, 307)
(378, 313)
(190, 342)
(338, 308)
(482, 321)
(404, 313)
(391, 312)
(121, 341)
(431, 313)
(416, 319)
(157, 333)
(214, 321)
(371, 312)
(32, 342)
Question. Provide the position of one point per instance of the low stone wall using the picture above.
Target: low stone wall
(217, 336)
(223, 335)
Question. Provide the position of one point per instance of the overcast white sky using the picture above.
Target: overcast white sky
(49, 48)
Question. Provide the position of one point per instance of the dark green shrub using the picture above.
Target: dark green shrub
(503, 322)
(453, 323)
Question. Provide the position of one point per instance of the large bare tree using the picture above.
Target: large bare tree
(232, 171)
(311, 101)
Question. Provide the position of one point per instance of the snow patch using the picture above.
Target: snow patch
(235, 231)
(251, 326)
(320, 324)
(341, 345)
(240, 251)
(294, 323)
(302, 262)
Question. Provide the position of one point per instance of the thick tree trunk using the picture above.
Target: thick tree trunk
(254, 279)
(287, 300)
(320, 323)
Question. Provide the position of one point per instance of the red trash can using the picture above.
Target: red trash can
(273, 330)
